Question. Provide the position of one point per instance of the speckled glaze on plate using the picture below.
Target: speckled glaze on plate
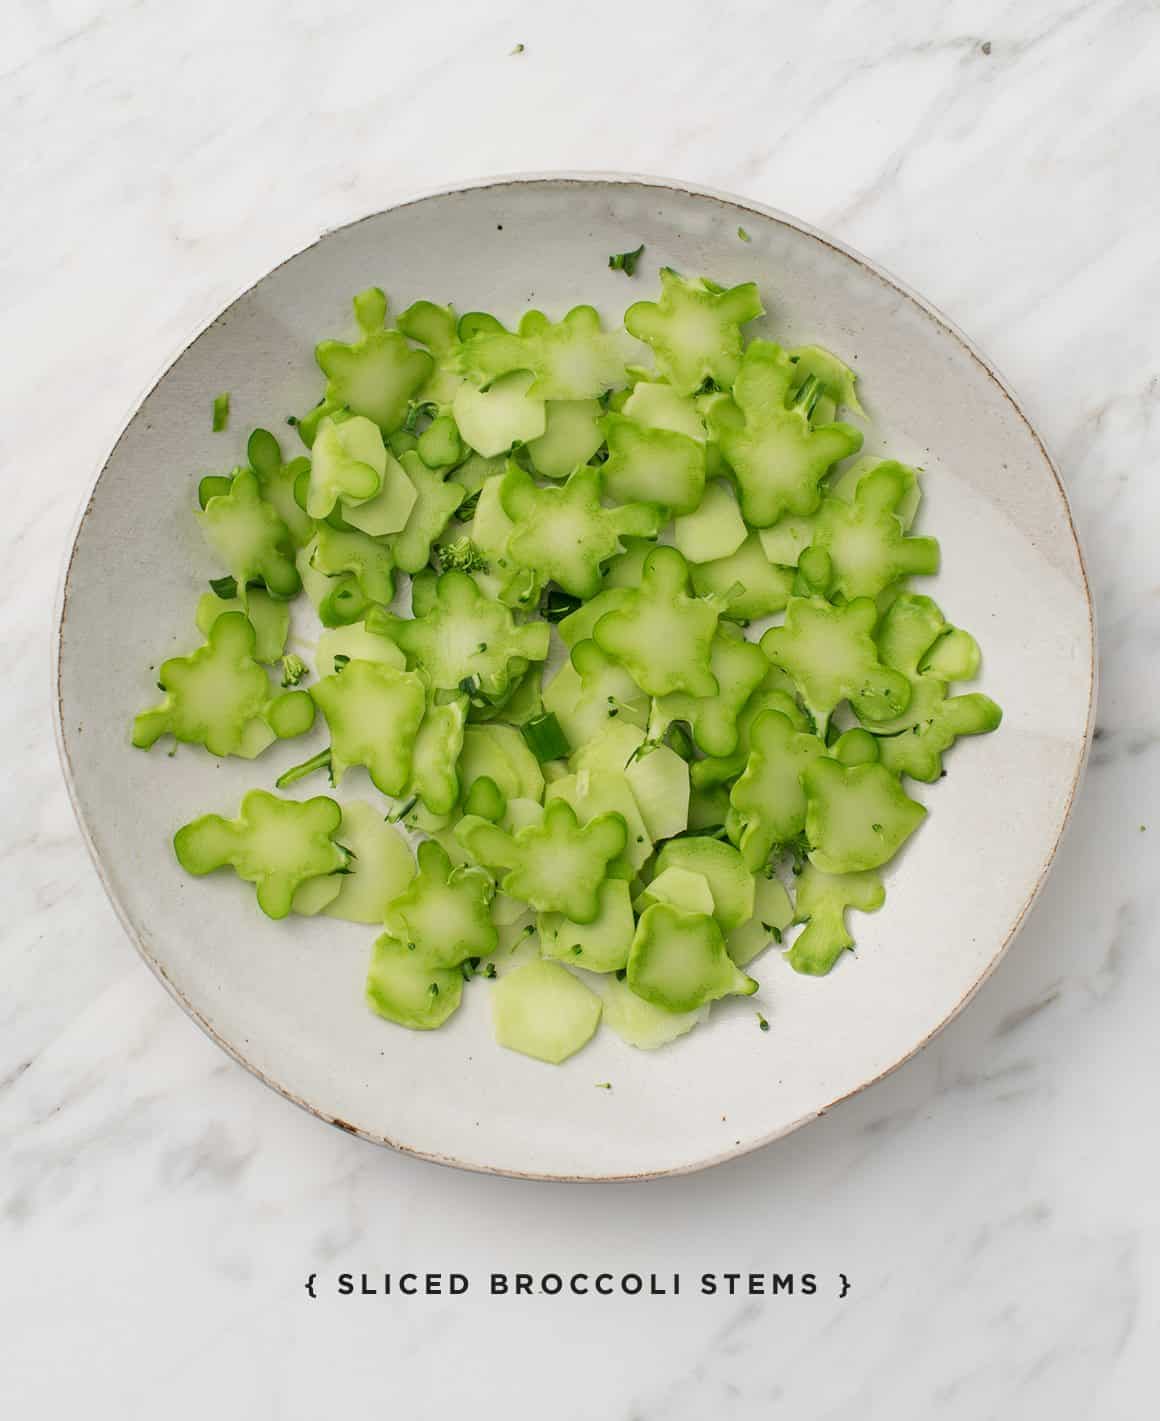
(285, 999)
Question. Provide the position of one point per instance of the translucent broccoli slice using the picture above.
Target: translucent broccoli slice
(856, 818)
(572, 359)
(589, 691)
(506, 413)
(772, 914)
(599, 946)
(436, 500)
(465, 637)
(276, 844)
(785, 541)
(557, 866)
(730, 882)
(406, 990)
(592, 793)
(638, 1022)
(571, 436)
(374, 713)
(831, 655)
(777, 455)
(439, 446)
(391, 508)
(438, 745)
(252, 541)
(680, 888)
(739, 667)
(822, 900)
(276, 481)
(838, 381)
(443, 915)
(542, 1011)
(661, 635)
(563, 533)
(354, 643)
(768, 798)
(221, 698)
(695, 329)
(656, 404)
(714, 529)
(867, 547)
(678, 961)
(370, 561)
(380, 866)
(578, 625)
(498, 752)
(753, 586)
(269, 617)
(378, 374)
(651, 465)
(349, 461)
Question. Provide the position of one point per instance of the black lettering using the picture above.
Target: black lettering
(524, 1284)
(732, 1279)
(576, 1280)
(604, 1284)
(366, 1290)
(434, 1284)
(634, 1278)
(499, 1284)
(756, 1285)
(708, 1284)
(782, 1283)
(407, 1284)
(809, 1283)
(551, 1284)
(458, 1284)
(345, 1284)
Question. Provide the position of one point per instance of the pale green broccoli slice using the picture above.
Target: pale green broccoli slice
(777, 455)
(746, 579)
(542, 1011)
(465, 637)
(864, 539)
(276, 844)
(855, 747)
(439, 445)
(857, 817)
(695, 329)
(378, 375)
(221, 698)
(831, 655)
(730, 882)
(557, 865)
(821, 902)
(679, 888)
(369, 560)
(661, 635)
(380, 867)
(592, 793)
(678, 961)
(578, 625)
(651, 465)
(252, 541)
(772, 914)
(768, 800)
(838, 381)
(277, 480)
(714, 529)
(563, 533)
(572, 359)
(599, 946)
(430, 325)
(785, 541)
(269, 617)
(498, 752)
(591, 689)
(436, 500)
(638, 1022)
(436, 754)
(656, 404)
(491, 421)
(739, 667)
(349, 463)
(390, 510)
(572, 435)
(918, 752)
(406, 990)
(374, 712)
(444, 915)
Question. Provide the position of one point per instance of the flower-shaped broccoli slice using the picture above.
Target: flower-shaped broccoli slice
(695, 329)
(374, 712)
(443, 915)
(857, 817)
(820, 901)
(678, 960)
(349, 462)
(378, 374)
(739, 667)
(369, 560)
(864, 538)
(661, 635)
(557, 865)
(572, 359)
(658, 466)
(274, 843)
(250, 538)
(408, 991)
(768, 799)
(777, 456)
(436, 500)
(277, 480)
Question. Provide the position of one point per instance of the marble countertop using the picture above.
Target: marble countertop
(992, 1203)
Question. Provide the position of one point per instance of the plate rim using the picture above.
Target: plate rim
(565, 177)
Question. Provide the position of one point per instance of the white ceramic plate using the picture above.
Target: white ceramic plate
(285, 999)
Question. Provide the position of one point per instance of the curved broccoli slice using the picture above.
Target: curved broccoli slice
(276, 481)
(695, 329)
(434, 776)
(557, 865)
(857, 817)
(738, 667)
(374, 712)
(835, 376)
(491, 421)
(349, 462)
(678, 960)
(408, 991)
(274, 843)
(768, 800)
(465, 637)
(651, 465)
(830, 654)
(864, 538)
(252, 541)
(591, 689)
(369, 560)
(752, 586)
(378, 374)
(437, 499)
(777, 455)
(563, 533)
(661, 635)
(572, 359)
(821, 901)
(542, 1011)
(443, 915)
(571, 436)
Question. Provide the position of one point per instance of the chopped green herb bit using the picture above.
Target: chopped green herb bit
(762, 1023)
(221, 412)
(626, 261)
(743, 234)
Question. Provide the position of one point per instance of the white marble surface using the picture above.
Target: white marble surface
(992, 1203)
